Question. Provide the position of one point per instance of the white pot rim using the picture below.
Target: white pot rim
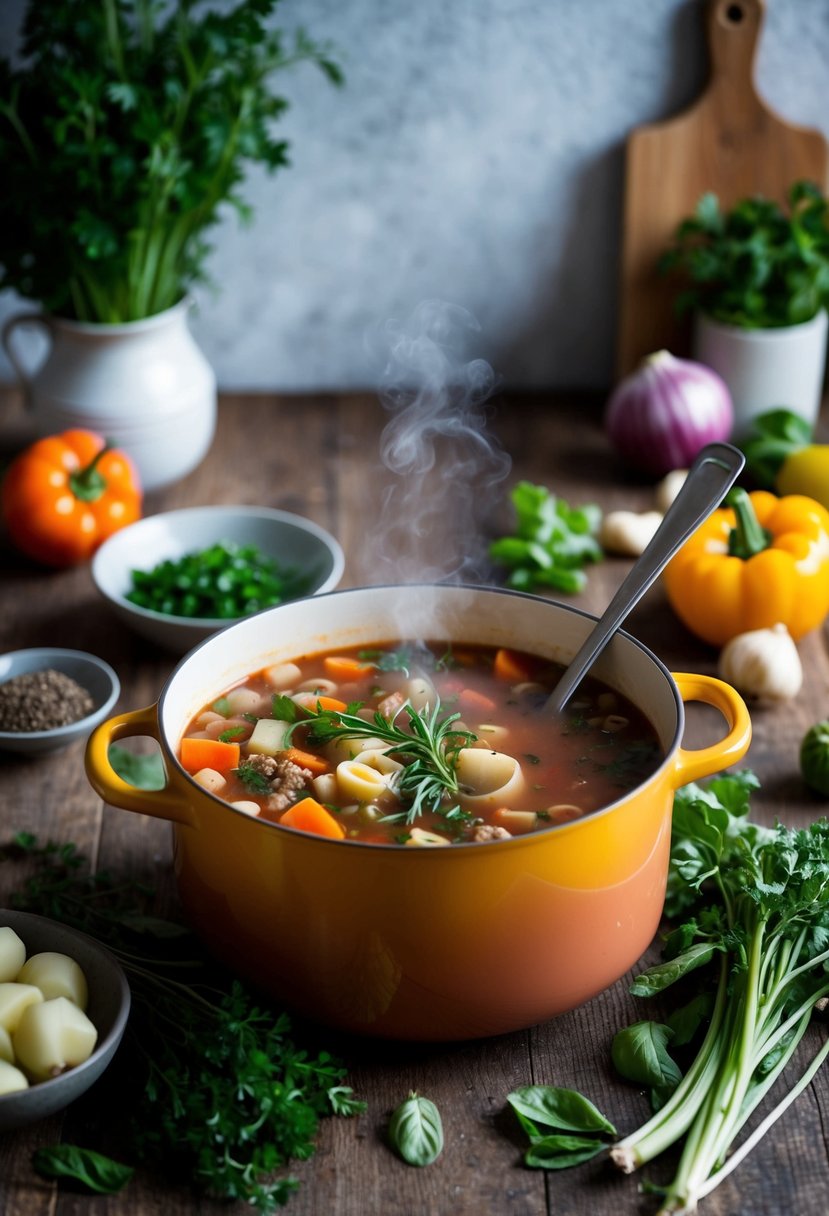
(770, 333)
(114, 328)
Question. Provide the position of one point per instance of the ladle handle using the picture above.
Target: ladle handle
(710, 478)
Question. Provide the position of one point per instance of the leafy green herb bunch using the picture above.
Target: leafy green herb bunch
(757, 265)
(123, 130)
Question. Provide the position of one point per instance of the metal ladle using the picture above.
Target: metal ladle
(709, 479)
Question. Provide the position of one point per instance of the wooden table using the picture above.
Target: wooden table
(319, 456)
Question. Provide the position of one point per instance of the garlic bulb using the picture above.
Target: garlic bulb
(668, 488)
(627, 533)
(763, 663)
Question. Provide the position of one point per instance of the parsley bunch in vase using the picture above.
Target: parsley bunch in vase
(131, 124)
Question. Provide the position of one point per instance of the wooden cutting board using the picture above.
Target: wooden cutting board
(729, 142)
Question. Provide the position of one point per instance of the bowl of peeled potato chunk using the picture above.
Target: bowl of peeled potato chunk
(64, 1002)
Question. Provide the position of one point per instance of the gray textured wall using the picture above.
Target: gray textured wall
(474, 155)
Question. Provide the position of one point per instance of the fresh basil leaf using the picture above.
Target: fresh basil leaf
(658, 978)
(564, 1109)
(416, 1130)
(82, 1165)
(640, 1054)
(144, 772)
(560, 1152)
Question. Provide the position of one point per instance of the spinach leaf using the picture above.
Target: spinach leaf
(640, 1054)
(563, 1109)
(559, 1152)
(416, 1130)
(144, 772)
(82, 1165)
(661, 976)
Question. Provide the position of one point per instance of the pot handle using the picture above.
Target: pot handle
(22, 318)
(172, 802)
(691, 764)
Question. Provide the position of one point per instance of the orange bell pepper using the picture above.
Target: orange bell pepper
(63, 496)
(762, 562)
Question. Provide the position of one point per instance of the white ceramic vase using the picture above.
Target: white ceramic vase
(145, 385)
(766, 369)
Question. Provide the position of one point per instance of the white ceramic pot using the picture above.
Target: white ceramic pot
(145, 385)
(766, 369)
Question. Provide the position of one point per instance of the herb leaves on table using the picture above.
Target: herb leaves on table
(552, 541)
(416, 1130)
(89, 1169)
(572, 1126)
(224, 1094)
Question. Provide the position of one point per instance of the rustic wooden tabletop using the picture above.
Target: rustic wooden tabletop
(319, 456)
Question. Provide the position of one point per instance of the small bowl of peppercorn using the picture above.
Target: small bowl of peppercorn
(51, 697)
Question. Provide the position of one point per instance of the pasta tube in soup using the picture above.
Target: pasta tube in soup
(417, 745)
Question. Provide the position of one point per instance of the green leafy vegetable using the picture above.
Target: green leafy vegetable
(416, 1130)
(428, 750)
(132, 123)
(285, 709)
(220, 1091)
(552, 541)
(640, 1053)
(223, 582)
(664, 974)
(559, 1151)
(82, 1165)
(758, 264)
(760, 898)
(146, 772)
(565, 1111)
(774, 437)
(685, 1022)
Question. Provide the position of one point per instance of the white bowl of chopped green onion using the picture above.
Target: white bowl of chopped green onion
(180, 576)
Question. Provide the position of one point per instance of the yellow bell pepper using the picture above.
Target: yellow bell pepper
(761, 562)
(781, 456)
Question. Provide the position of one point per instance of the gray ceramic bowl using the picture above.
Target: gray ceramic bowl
(108, 1008)
(96, 676)
(294, 542)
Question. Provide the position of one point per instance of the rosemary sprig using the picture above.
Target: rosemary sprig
(428, 749)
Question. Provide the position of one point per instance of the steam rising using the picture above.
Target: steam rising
(442, 465)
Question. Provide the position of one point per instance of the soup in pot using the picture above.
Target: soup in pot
(421, 746)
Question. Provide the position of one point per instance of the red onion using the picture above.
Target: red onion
(660, 416)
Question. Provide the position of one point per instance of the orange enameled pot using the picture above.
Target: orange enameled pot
(453, 943)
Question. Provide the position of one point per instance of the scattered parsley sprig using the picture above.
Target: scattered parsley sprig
(224, 1095)
(552, 541)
